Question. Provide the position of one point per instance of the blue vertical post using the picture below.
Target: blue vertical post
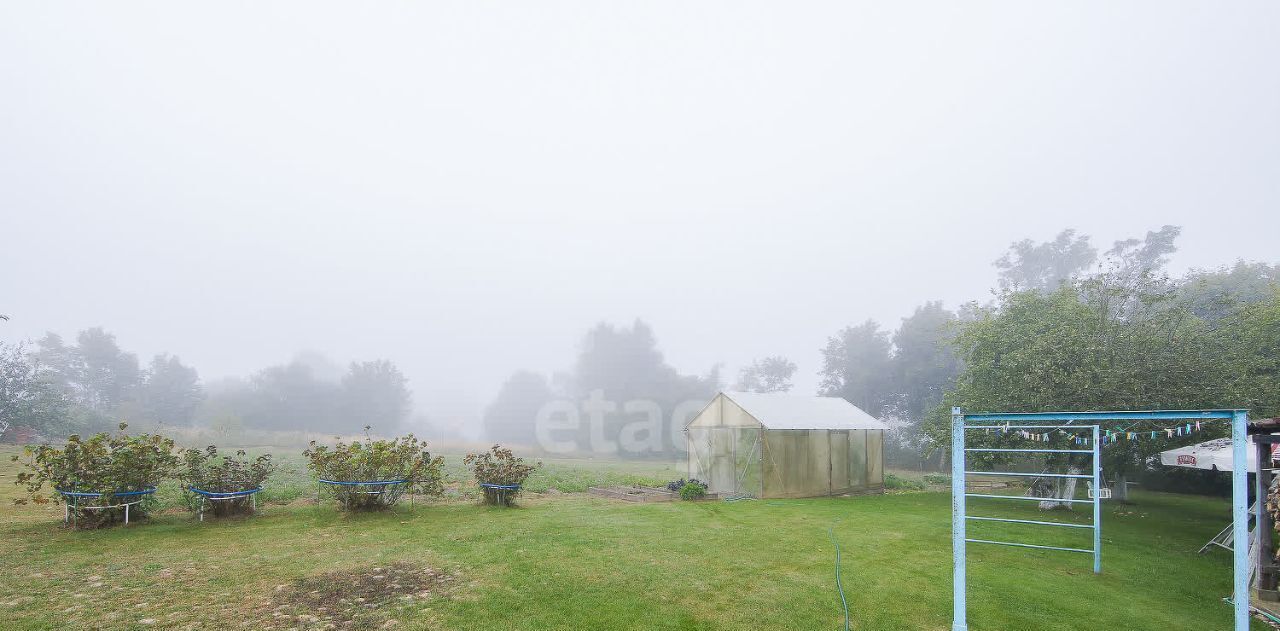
(958, 616)
(1240, 516)
(1097, 503)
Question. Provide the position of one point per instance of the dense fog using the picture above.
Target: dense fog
(568, 225)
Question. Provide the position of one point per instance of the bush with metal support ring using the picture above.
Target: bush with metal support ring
(102, 480)
(76, 502)
(375, 474)
(500, 474)
(223, 485)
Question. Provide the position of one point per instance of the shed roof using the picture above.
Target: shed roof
(793, 411)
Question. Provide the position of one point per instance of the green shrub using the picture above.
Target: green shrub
(204, 469)
(499, 466)
(894, 482)
(693, 490)
(937, 478)
(105, 463)
(403, 458)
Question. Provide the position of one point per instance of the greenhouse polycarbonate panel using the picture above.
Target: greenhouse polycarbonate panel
(875, 458)
(723, 478)
(819, 463)
(699, 443)
(747, 462)
(796, 464)
(839, 461)
(858, 458)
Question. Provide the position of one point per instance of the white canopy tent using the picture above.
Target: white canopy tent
(1215, 455)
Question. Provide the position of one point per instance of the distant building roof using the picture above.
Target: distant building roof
(793, 411)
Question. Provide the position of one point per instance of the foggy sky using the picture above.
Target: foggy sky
(465, 187)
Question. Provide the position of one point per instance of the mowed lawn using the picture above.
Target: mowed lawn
(572, 561)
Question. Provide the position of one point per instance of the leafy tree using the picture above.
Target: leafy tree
(1137, 263)
(1068, 351)
(1119, 339)
(290, 397)
(1043, 267)
(171, 391)
(29, 395)
(511, 415)
(923, 367)
(376, 393)
(107, 376)
(924, 363)
(57, 359)
(1251, 333)
(771, 374)
(1217, 293)
(624, 364)
(856, 366)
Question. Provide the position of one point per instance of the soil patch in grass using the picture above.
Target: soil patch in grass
(359, 598)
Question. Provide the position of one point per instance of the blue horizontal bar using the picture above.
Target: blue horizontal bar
(1155, 415)
(1028, 521)
(368, 483)
(147, 491)
(1080, 476)
(1030, 499)
(224, 495)
(1062, 427)
(1038, 451)
(1028, 545)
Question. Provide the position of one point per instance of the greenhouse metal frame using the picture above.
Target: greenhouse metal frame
(781, 446)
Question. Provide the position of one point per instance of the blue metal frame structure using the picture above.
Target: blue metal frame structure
(1096, 477)
(1092, 421)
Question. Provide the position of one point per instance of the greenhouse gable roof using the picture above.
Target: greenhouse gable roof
(792, 411)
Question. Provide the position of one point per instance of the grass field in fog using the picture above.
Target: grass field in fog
(572, 561)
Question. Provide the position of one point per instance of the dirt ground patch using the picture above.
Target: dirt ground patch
(359, 598)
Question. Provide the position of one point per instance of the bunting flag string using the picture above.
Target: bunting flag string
(1108, 437)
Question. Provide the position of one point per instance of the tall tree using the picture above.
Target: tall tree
(289, 397)
(1065, 351)
(1043, 267)
(29, 397)
(624, 365)
(1251, 333)
(171, 391)
(511, 415)
(856, 367)
(376, 394)
(924, 362)
(771, 374)
(1213, 294)
(107, 376)
(924, 366)
(1116, 339)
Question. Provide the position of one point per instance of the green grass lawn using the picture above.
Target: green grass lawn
(572, 561)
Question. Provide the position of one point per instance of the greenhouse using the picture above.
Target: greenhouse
(783, 445)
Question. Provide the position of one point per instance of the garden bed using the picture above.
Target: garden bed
(640, 493)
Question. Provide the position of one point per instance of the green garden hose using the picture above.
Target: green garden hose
(840, 588)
